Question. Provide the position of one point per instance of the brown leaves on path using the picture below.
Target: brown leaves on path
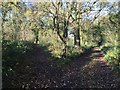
(90, 70)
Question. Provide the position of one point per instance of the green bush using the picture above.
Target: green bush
(14, 49)
(74, 51)
(106, 48)
(112, 56)
(71, 55)
(13, 53)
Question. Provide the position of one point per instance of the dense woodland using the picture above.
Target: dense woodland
(60, 44)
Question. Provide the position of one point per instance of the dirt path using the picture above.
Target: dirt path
(97, 74)
(89, 71)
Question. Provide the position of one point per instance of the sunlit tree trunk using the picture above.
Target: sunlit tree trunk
(77, 31)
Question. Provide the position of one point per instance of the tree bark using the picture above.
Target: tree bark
(65, 32)
(74, 39)
(78, 37)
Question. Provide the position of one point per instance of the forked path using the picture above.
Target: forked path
(89, 70)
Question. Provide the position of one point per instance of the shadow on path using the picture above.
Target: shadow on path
(97, 74)
(88, 71)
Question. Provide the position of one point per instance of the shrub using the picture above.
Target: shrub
(112, 56)
(13, 53)
(15, 49)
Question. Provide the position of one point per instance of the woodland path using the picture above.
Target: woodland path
(89, 70)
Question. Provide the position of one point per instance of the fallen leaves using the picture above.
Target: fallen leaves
(81, 73)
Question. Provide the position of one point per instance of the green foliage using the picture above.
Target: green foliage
(13, 53)
(15, 49)
(112, 56)
(50, 39)
(105, 49)
(74, 51)
(72, 54)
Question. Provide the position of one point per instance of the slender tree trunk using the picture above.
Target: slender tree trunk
(65, 33)
(2, 27)
(36, 37)
(54, 26)
(78, 37)
(78, 20)
(58, 32)
(74, 39)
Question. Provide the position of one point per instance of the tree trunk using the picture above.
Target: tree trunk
(2, 27)
(62, 39)
(78, 37)
(37, 39)
(65, 33)
(54, 26)
(74, 39)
